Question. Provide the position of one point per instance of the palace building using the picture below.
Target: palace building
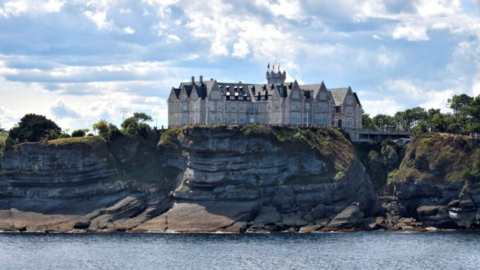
(275, 103)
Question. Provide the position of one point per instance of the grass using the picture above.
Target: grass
(447, 158)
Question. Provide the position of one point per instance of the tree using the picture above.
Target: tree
(141, 117)
(33, 128)
(78, 133)
(135, 125)
(367, 122)
(101, 126)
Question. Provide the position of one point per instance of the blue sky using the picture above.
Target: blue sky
(80, 61)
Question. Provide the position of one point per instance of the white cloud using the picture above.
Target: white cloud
(17, 8)
(99, 19)
(411, 33)
(240, 49)
(129, 30)
(384, 106)
(376, 37)
(173, 38)
(61, 110)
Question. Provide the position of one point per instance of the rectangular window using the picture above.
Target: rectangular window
(349, 111)
(349, 122)
(185, 107)
(323, 118)
(242, 119)
(219, 107)
(323, 96)
(242, 107)
(212, 106)
(184, 119)
(233, 119)
(233, 107)
(322, 107)
(349, 100)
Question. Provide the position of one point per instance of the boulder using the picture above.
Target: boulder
(435, 216)
(350, 217)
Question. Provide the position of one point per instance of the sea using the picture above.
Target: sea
(359, 250)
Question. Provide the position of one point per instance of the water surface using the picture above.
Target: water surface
(363, 250)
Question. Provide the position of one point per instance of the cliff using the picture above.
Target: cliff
(438, 182)
(194, 179)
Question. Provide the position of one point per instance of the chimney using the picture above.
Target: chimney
(193, 79)
(201, 80)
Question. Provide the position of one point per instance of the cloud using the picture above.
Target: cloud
(129, 30)
(61, 110)
(105, 55)
(17, 8)
(240, 49)
(411, 33)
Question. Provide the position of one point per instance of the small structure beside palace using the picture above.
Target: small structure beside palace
(275, 103)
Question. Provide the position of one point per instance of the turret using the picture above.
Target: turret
(276, 77)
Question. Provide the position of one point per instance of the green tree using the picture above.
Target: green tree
(141, 117)
(33, 128)
(78, 133)
(102, 127)
(367, 121)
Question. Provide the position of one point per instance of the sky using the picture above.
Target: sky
(80, 61)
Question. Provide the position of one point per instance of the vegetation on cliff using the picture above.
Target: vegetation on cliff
(381, 160)
(441, 158)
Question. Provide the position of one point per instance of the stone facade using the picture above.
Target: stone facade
(276, 103)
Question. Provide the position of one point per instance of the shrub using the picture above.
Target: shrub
(78, 133)
(63, 136)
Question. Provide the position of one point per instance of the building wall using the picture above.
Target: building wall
(276, 111)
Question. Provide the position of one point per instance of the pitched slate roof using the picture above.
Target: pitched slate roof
(339, 95)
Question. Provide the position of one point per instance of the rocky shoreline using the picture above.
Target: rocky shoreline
(221, 180)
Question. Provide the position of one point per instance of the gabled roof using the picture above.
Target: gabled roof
(339, 95)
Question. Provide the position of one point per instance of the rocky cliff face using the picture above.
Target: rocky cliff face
(437, 181)
(206, 179)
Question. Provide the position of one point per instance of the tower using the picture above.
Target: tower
(276, 77)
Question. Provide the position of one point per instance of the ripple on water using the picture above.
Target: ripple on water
(363, 250)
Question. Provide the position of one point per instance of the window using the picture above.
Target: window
(295, 94)
(296, 106)
(219, 107)
(349, 122)
(242, 107)
(322, 107)
(242, 120)
(295, 118)
(212, 106)
(185, 107)
(233, 119)
(261, 119)
(184, 119)
(323, 96)
(276, 107)
(191, 107)
(240, 98)
(349, 100)
(211, 119)
(260, 107)
(323, 118)
(219, 118)
(233, 107)
(349, 111)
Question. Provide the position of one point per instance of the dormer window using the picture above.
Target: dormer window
(323, 96)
